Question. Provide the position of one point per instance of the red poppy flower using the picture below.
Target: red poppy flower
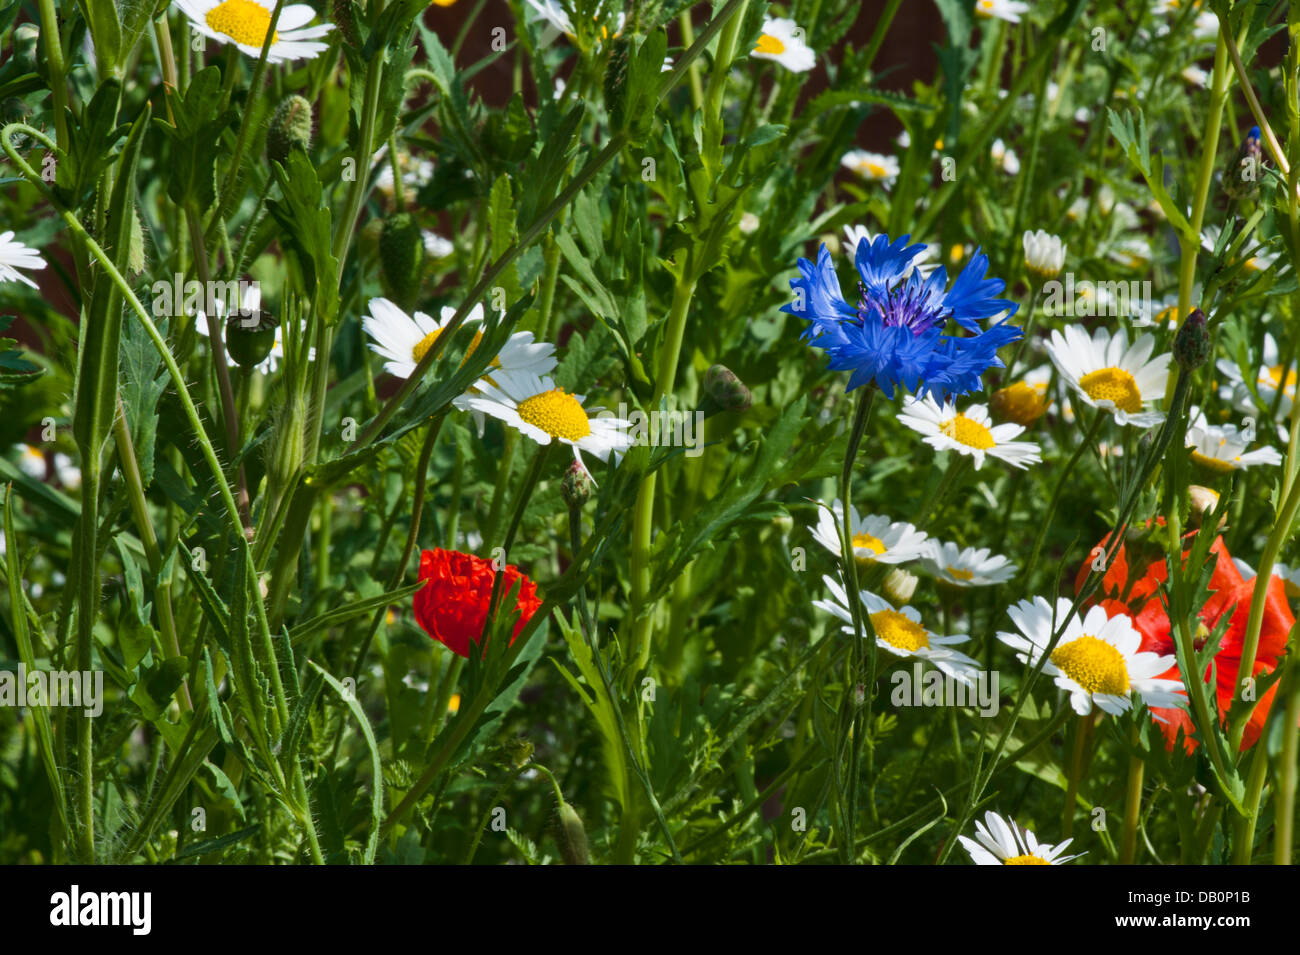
(453, 604)
(1129, 586)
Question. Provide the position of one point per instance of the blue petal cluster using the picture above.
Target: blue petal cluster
(895, 334)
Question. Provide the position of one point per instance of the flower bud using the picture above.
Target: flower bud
(290, 128)
(401, 259)
(571, 836)
(576, 486)
(1192, 343)
(1203, 501)
(1020, 402)
(723, 391)
(899, 586)
(1044, 255)
(1241, 178)
(250, 336)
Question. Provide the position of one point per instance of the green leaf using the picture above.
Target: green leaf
(305, 218)
(376, 767)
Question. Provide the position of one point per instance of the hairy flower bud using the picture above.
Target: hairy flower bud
(250, 336)
(571, 836)
(1241, 177)
(723, 391)
(1203, 501)
(899, 586)
(576, 486)
(290, 128)
(401, 259)
(1192, 343)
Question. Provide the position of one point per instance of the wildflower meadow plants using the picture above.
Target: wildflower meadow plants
(925, 376)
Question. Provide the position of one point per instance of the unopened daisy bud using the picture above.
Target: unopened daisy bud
(723, 391)
(1019, 402)
(1044, 255)
(290, 128)
(401, 259)
(571, 836)
(1203, 501)
(250, 336)
(899, 586)
(576, 485)
(1241, 178)
(1192, 343)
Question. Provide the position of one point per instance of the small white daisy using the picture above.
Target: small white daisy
(900, 632)
(782, 41)
(874, 167)
(1271, 377)
(925, 262)
(66, 472)
(1194, 76)
(1263, 259)
(534, 406)
(875, 538)
(1005, 157)
(967, 567)
(557, 21)
(435, 246)
(1096, 661)
(998, 842)
(1222, 448)
(1107, 373)
(31, 461)
(1008, 10)
(14, 256)
(1044, 254)
(245, 22)
(969, 432)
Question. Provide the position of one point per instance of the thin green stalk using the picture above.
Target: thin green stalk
(1132, 801)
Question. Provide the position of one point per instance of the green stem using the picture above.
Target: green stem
(1132, 802)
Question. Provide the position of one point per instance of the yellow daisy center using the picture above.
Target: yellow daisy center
(969, 432)
(1021, 402)
(428, 341)
(1217, 465)
(1093, 664)
(557, 413)
(961, 574)
(898, 631)
(1025, 860)
(984, 8)
(868, 542)
(872, 169)
(769, 45)
(243, 21)
(1281, 378)
(1113, 384)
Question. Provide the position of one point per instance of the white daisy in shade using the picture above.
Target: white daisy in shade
(1271, 377)
(31, 461)
(66, 472)
(900, 632)
(1096, 661)
(245, 23)
(1107, 373)
(874, 167)
(1222, 448)
(782, 41)
(1009, 10)
(405, 339)
(971, 432)
(1262, 259)
(966, 567)
(999, 842)
(534, 406)
(1044, 254)
(876, 539)
(435, 246)
(557, 21)
(14, 256)
(925, 262)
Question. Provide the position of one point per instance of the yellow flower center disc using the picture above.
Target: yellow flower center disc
(770, 45)
(1113, 384)
(965, 431)
(1093, 664)
(243, 21)
(557, 413)
(897, 631)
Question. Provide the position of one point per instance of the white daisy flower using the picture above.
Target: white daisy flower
(535, 407)
(1044, 254)
(1270, 378)
(1107, 373)
(1005, 157)
(1263, 259)
(1222, 448)
(782, 41)
(1160, 312)
(970, 432)
(900, 632)
(31, 461)
(876, 539)
(967, 567)
(245, 22)
(749, 223)
(1096, 661)
(435, 246)
(14, 256)
(66, 472)
(1133, 252)
(925, 262)
(998, 842)
(557, 21)
(1194, 76)
(873, 167)
(1008, 10)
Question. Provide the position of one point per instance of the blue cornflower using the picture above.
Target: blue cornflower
(895, 335)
